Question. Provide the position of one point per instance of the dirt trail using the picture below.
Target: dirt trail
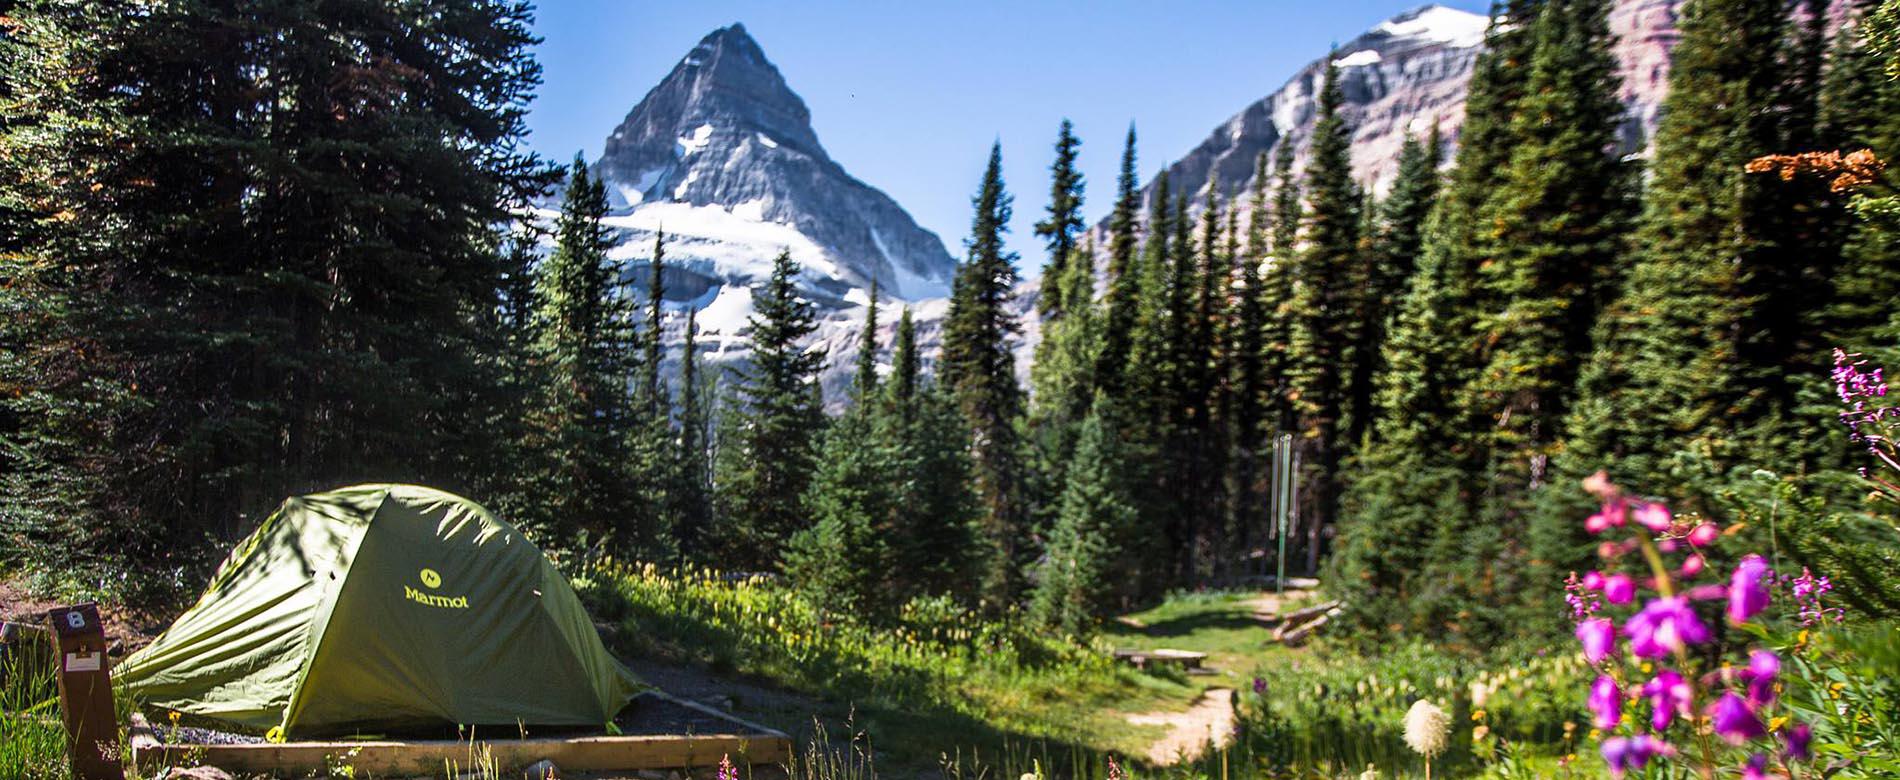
(1211, 719)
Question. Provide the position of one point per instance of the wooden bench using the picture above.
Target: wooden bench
(1143, 659)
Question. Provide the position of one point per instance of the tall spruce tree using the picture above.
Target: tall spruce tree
(1277, 286)
(935, 536)
(770, 426)
(1322, 304)
(1121, 303)
(1676, 367)
(1064, 222)
(979, 367)
(1063, 374)
(253, 242)
(1078, 580)
(1411, 501)
(864, 376)
(579, 423)
(1559, 220)
(691, 491)
(1394, 244)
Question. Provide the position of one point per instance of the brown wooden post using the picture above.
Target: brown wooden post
(85, 692)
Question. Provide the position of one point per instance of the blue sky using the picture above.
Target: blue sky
(908, 95)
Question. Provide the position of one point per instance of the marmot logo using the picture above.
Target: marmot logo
(458, 602)
(431, 579)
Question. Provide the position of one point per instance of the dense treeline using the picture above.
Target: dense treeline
(260, 251)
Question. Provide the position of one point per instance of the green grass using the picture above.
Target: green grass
(937, 680)
(1218, 623)
(32, 741)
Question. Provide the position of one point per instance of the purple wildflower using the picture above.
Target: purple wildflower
(1665, 625)
(1613, 514)
(1795, 739)
(1808, 590)
(1115, 769)
(1763, 667)
(1259, 687)
(1669, 696)
(726, 770)
(1598, 636)
(1747, 591)
(1756, 768)
(1734, 720)
(1627, 753)
(1606, 702)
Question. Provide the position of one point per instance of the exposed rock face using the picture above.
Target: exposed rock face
(1401, 77)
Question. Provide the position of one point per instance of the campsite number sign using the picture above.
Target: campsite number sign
(85, 692)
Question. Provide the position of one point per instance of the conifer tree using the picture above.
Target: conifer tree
(905, 366)
(842, 561)
(652, 390)
(1079, 579)
(979, 368)
(579, 423)
(1277, 286)
(231, 283)
(1559, 220)
(1063, 374)
(691, 492)
(935, 534)
(1064, 223)
(864, 378)
(1675, 369)
(1860, 109)
(769, 429)
(1121, 304)
(1397, 237)
(1321, 328)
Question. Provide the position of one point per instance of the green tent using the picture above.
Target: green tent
(382, 607)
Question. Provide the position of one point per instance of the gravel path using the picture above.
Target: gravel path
(1210, 720)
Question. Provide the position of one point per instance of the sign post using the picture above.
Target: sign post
(85, 692)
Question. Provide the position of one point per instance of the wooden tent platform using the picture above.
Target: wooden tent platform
(745, 742)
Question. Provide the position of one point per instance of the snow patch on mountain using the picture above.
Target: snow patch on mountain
(1450, 26)
(1355, 59)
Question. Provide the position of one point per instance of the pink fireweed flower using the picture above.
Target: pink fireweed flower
(1763, 667)
(1747, 591)
(1702, 535)
(1734, 720)
(1593, 580)
(1692, 565)
(1606, 702)
(1669, 696)
(726, 770)
(1598, 636)
(1115, 769)
(1613, 515)
(1626, 753)
(1654, 516)
(1619, 589)
(1795, 739)
(1665, 625)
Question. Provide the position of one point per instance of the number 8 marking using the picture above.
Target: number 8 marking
(75, 620)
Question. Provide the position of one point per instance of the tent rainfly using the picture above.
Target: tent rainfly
(383, 607)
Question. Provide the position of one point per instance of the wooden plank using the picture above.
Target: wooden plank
(434, 757)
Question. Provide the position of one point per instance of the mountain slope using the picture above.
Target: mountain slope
(1404, 76)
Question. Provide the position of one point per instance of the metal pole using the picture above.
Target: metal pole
(1282, 487)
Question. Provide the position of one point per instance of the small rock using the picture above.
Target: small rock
(195, 773)
(541, 770)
